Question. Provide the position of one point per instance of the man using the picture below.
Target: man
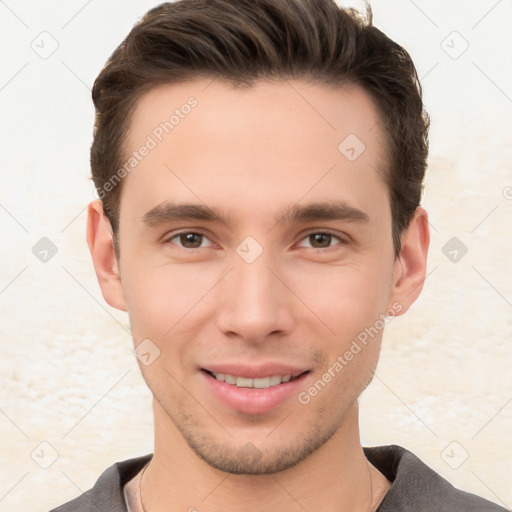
(259, 166)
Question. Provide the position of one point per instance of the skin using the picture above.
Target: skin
(255, 153)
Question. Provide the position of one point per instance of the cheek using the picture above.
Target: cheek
(346, 298)
(161, 297)
(352, 305)
(161, 306)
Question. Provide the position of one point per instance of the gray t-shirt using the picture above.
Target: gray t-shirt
(415, 487)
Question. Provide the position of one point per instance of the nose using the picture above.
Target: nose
(254, 302)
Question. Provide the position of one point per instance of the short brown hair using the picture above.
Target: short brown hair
(241, 41)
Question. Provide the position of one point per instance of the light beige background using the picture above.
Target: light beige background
(67, 374)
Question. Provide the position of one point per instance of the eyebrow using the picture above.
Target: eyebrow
(168, 212)
(332, 210)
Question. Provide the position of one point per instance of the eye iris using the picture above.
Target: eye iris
(323, 239)
(190, 240)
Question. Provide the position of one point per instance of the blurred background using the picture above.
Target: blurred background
(72, 401)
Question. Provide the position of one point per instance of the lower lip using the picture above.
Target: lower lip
(253, 400)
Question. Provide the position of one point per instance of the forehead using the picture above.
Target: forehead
(272, 141)
(326, 112)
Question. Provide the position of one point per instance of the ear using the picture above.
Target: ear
(411, 264)
(101, 244)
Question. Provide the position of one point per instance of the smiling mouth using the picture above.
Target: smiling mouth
(257, 383)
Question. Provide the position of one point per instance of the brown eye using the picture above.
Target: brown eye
(320, 240)
(189, 240)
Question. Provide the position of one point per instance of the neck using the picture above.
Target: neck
(336, 477)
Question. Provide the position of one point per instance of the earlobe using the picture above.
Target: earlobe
(101, 245)
(411, 264)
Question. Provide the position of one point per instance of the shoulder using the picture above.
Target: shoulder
(107, 493)
(416, 487)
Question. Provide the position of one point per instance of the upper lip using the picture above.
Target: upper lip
(255, 371)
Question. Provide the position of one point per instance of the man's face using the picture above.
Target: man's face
(265, 291)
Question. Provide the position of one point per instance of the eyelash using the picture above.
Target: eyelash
(307, 235)
(341, 240)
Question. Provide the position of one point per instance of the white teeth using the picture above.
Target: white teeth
(230, 379)
(263, 382)
(242, 382)
(275, 380)
(259, 383)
